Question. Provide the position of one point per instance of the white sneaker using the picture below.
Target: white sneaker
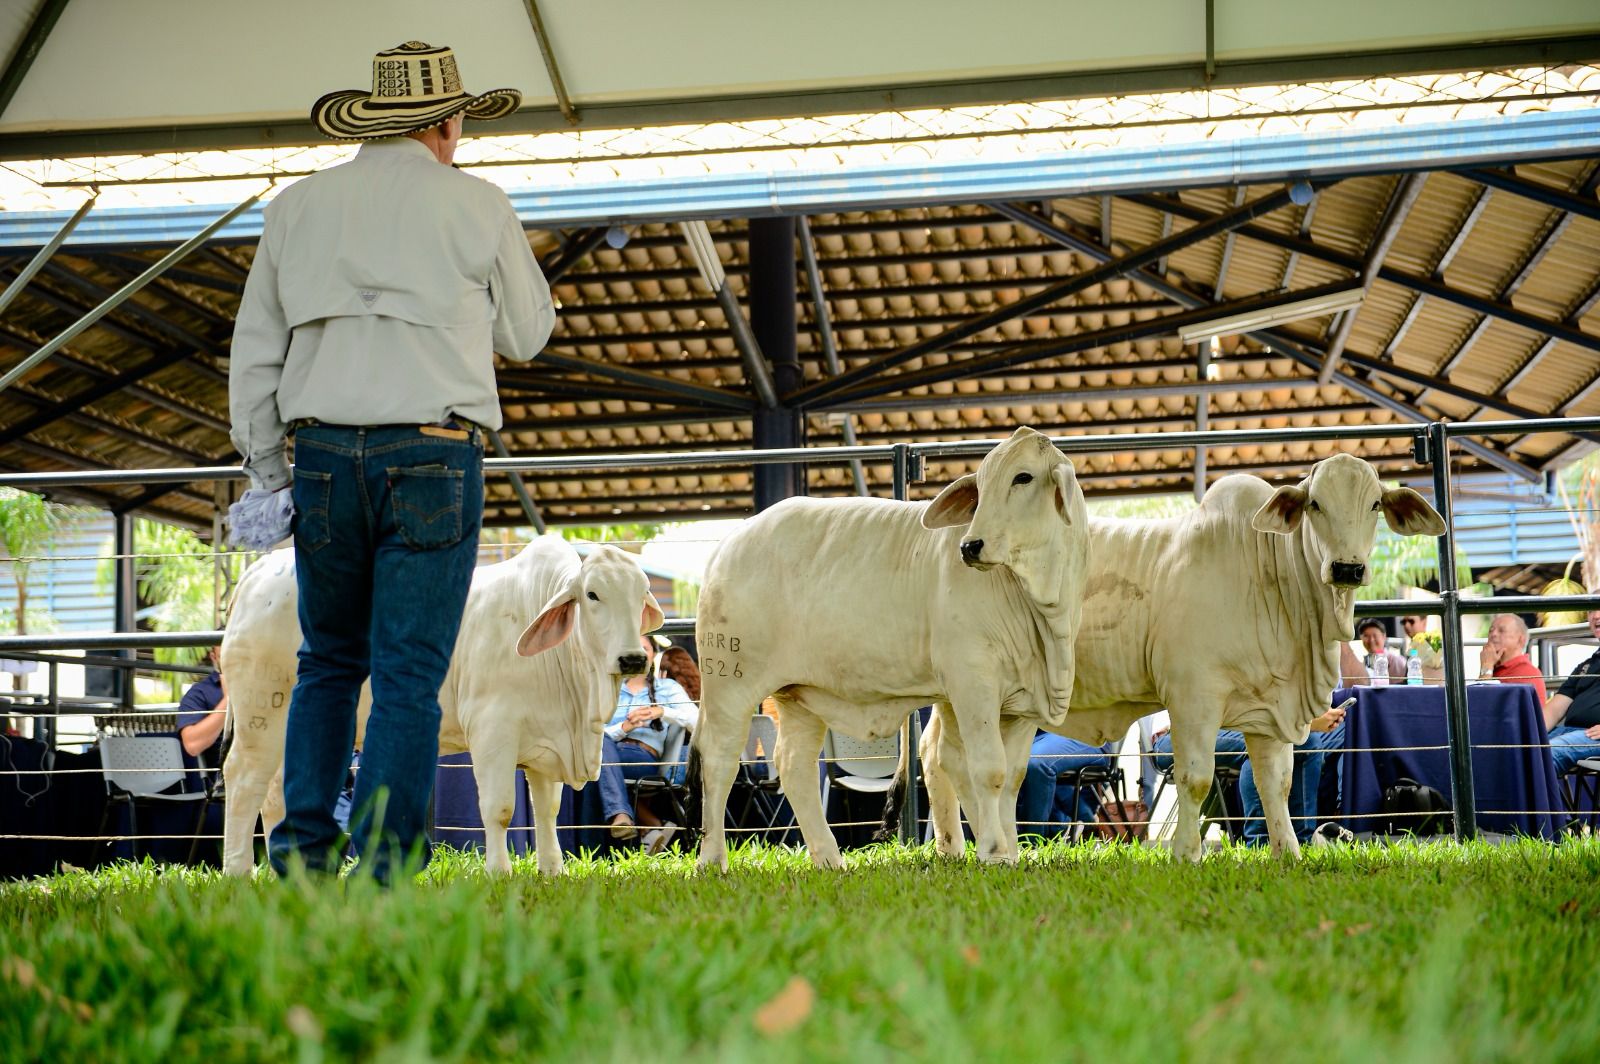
(658, 839)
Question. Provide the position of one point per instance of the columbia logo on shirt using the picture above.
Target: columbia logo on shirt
(368, 296)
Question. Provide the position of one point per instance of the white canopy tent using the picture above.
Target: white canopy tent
(108, 76)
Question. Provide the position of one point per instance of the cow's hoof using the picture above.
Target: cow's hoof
(828, 861)
(552, 870)
(706, 866)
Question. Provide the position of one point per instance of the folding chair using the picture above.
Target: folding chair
(1213, 810)
(145, 767)
(861, 766)
(1107, 782)
(661, 786)
(1580, 792)
(762, 790)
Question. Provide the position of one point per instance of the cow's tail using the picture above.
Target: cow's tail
(895, 800)
(694, 791)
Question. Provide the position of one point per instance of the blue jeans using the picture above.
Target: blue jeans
(1305, 783)
(1041, 810)
(385, 542)
(1229, 749)
(1568, 746)
(620, 762)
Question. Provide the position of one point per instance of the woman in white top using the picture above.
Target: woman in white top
(635, 739)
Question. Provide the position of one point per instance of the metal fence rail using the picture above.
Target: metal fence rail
(1431, 444)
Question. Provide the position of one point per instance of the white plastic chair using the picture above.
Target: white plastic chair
(142, 767)
(863, 766)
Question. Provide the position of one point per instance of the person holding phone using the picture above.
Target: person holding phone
(635, 743)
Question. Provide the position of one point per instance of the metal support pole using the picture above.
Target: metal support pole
(704, 252)
(535, 518)
(15, 288)
(125, 599)
(50, 733)
(911, 730)
(123, 294)
(1457, 725)
(830, 352)
(774, 323)
(1202, 416)
(548, 53)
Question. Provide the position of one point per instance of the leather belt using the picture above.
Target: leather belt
(643, 746)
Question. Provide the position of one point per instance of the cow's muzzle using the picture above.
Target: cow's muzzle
(631, 664)
(971, 551)
(1348, 574)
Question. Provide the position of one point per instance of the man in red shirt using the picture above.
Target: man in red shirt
(1505, 655)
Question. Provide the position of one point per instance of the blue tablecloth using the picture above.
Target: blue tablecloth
(456, 819)
(1514, 779)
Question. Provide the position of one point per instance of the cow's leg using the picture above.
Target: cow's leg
(1273, 764)
(249, 776)
(719, 737)
(944, 806)
(494, 770)
(546, 792)
(1194, 759)
(799, 745)
(1017, 735)
(272, 810)
(978, 716)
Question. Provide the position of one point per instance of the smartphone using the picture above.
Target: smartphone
(1346, 704)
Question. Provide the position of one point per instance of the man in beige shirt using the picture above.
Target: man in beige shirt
(380, 291)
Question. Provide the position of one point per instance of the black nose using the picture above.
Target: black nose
(1348, 574)
(631, 664)
(971, 550)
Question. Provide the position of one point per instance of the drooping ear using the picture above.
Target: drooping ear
(553, 625)
(955, 505)
(1282, 512)
(1409, 514)
(651, 617)
(1069, 498)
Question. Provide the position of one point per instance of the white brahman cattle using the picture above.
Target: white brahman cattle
(544, 644)
(853, 612)
(1229, 616)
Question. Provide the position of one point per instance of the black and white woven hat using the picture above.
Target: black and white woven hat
(414, 86)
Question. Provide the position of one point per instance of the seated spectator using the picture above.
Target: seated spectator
(1310, 758)
(1356, 671)
(1505, 655)
(1042, 807)
(676, 664)
(201, 715)
(1573, 713)
(634, 742)
(1413, 625)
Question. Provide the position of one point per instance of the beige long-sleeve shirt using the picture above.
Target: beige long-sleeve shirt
(380, 292)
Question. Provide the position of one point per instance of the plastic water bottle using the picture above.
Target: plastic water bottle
(1413, 668)
(1380, 670)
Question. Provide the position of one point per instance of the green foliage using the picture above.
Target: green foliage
(627, 532)
(685, 596)
(1400, 562)
(28, 528)
(1417, 952)
(175, 575)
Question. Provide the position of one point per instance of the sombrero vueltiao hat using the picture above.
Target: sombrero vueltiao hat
(414, 86)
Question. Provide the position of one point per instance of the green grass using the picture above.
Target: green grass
(1096, 954)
